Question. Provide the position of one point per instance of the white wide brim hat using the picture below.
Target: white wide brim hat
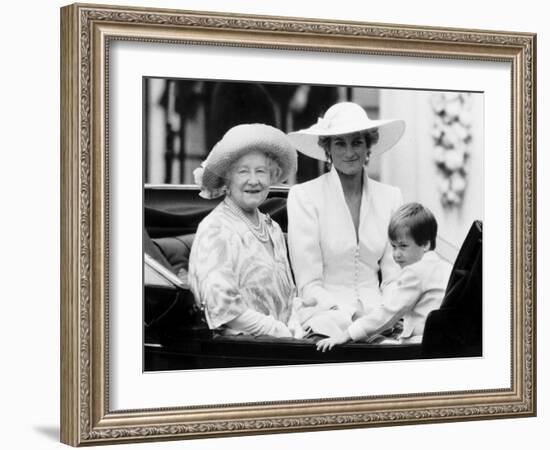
(237, 142)
(346, 118)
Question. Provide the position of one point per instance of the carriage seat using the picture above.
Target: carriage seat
(175, 250)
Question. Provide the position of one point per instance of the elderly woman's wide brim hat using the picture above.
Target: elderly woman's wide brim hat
(346, 118)
(237, 142)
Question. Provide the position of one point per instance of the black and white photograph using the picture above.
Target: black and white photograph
(290, 224)
(291, 221)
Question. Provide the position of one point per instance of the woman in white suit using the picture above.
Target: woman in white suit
(337, 230)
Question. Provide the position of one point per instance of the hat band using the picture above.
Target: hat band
(342, 126)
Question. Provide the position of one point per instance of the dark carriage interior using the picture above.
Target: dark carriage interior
(177, 337)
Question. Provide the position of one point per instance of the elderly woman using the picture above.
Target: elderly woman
(338, 222)
(238, 267)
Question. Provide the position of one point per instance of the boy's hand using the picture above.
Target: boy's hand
(327, 344)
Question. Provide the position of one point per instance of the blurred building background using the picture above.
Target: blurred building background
(438, 162)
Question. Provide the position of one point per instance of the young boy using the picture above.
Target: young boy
(419, 288)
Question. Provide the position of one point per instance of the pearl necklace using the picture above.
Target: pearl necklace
(260, 230)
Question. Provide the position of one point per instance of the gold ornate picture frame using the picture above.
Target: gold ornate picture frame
(87, 33)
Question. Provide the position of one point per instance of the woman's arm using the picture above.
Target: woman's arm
(398, 299)
(305, 249)
(213, 281)
(388, 267)
(211, 274)
(258, 324)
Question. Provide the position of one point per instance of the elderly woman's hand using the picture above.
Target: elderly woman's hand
(299, 305)
(281, 330)
(278, 328)
(295, 327)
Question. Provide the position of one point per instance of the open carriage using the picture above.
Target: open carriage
(177, 337)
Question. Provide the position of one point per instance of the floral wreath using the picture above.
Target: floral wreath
(206, 193)
(452, 137)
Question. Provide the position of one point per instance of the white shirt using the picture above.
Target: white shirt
(418, 290)
(329, 263)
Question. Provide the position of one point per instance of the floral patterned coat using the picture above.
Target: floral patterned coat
(231, 271)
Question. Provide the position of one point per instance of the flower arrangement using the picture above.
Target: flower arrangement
(452, 135)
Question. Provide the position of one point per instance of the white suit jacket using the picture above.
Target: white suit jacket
(418, 290)
(328, 262)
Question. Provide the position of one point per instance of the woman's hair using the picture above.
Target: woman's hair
(273, 166)
(275, 170)
(371, 137)
(415, 220)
